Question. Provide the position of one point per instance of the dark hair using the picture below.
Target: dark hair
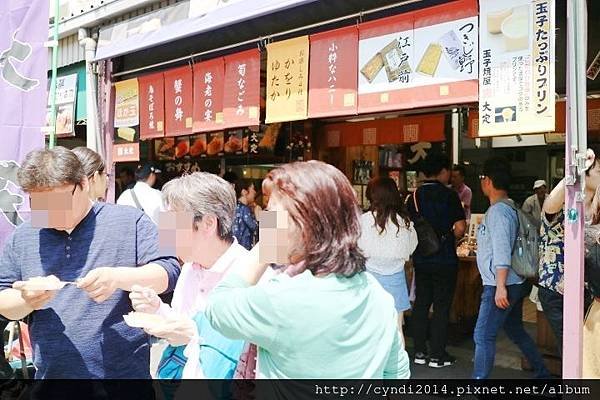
(322, 203)
(49, 169)
(386, 203)
(461, 169)
(435, 163)
(499, 171)
(242, 184)
(143, 172)
(230, 176)
(90, 160)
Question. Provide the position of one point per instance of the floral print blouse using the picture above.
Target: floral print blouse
(552, 252)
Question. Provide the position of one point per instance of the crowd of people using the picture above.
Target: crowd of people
(311, 287)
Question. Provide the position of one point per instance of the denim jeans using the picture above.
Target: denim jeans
(489, 322)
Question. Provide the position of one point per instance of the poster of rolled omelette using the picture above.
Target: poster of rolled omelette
(371, 69)
(452, 48)
(431, 60)
(394, 60)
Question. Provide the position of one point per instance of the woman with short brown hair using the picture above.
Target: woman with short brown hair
(325, 317)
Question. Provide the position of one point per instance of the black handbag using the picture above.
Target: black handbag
(429, 240)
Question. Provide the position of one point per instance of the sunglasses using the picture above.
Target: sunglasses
(482, 177)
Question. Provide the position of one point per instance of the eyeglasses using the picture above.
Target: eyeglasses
(47, 199)
(482, 177)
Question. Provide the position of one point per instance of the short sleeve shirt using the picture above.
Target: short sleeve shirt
(72, 336)
(442, 208)
(552, 252)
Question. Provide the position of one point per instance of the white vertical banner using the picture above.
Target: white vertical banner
(516, 64)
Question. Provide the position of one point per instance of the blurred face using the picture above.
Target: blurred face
(457, 179)
(189, 238)
(60, 208)
(592, 180)
(541, 191)
(98, 185)
(125, 178)
(152, 180)
(250, 194)
(445, 176)
(277, 232)
(486, 185)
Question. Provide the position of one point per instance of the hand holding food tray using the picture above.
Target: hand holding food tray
(136, 319)
(41, 283)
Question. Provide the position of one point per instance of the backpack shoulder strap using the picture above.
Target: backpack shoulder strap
(135, 199)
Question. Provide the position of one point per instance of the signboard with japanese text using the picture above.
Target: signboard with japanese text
(241, 100)
(209, 79)
(127, 103)
(66, 99)
(126, 152)
(516, 85)
(333, 73)
(419, 59)
(178, 101)
(287, 80)
(152, 106)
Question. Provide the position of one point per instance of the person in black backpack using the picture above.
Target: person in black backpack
(503, 290)
(435, 272)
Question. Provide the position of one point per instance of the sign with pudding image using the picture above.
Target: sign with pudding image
(516, 65)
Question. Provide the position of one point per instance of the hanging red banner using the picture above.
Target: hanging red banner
(241, 102)
(420, 59)
(333, 73)
(209, 80)
(178, 101)
(152, 106)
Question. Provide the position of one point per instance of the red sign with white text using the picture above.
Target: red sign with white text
(178, 101)
(333, 73)
(241, 102)
(152, 106)
(209, 80)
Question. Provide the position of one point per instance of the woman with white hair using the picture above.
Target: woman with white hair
(197, 228)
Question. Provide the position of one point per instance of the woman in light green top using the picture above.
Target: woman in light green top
(325, 317)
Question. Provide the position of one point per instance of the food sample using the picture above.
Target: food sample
(215, 146)
(507, 114)
(137, 319)
(165, 148)
(245, 144)
(50, 282)
(234, 143)
(126, 134)
(372, 67)
(198, 145)
(270, 137)
(516, 33)
(495, 20)
(431, 59)
(395, 61)
(453, 48)
(182, 148)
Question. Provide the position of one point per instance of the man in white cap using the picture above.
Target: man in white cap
(534, 203)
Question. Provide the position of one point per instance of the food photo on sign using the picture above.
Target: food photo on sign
(216, 143)
(164, 148)
(234, 141)
(198, 145)
(182, 146)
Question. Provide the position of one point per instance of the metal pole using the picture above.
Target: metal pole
(52, 141)
(575, 149)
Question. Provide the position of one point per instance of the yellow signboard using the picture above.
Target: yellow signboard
(287, 80)
(127, 104)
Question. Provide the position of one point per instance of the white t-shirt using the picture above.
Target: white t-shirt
(150, 200)
(388, 252)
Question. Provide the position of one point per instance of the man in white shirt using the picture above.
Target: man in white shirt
(533, 204)
(142, 195)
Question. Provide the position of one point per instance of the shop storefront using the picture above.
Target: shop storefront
(372, 94)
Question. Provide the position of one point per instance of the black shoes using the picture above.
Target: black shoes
(446, 361)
